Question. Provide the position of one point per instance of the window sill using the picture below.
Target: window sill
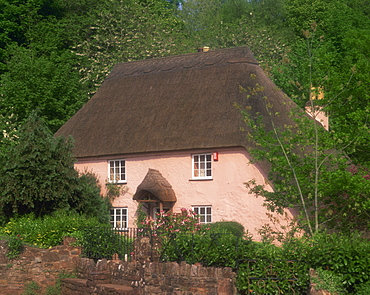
(116, 183)
(200, 179)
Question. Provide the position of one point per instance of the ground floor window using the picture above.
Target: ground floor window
(204, 213)
(119, 217)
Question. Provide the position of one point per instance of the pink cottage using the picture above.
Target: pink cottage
(167, 132)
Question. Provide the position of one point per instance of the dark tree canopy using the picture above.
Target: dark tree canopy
(37, 175)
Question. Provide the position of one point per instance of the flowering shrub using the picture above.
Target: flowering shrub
(186, 221)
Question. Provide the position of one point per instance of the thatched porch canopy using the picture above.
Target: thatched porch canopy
(154, 185)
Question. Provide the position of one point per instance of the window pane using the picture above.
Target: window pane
(119, 217)
(201, 164)
(117, 171)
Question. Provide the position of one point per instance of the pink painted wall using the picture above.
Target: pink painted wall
(226, 192)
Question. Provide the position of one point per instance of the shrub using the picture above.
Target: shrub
(88, 200)
(211, 249)
(266, 269)
(346, 255)
(104, 242)
(49, 230)
(329, 281)
(272, 276)
(169, 222)
(37, 176)
(363, 289)
(15, 246)
(37, 172)
(232, 227)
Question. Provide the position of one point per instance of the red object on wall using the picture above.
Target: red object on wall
(215, 156)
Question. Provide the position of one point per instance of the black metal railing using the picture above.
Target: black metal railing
(272, 276)
(112, 243)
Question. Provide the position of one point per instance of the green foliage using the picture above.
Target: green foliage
(32, 288)
(169, 222)
(343, 255)
(261, 267)
(37, 174)
(48, 231)
(328, 281)
(231, 227)
(339, 66)
(211, 249)
(363, 288)
(309, 168)
(104, 242)
(220, 24)
(15, 246)
(57, 288)
(125, 31)
(141, 217)
(88, 200)
(47, 83)
(272, 276)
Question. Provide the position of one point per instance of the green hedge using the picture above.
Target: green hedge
(48, 231)
(231, 227)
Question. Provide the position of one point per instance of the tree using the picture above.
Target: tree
(126, 31)
(39, 69)
(310, 170)
(341, 67)
(37, 176)
(308, 173)
(49, 83)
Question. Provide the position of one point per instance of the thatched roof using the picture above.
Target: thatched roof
(174, 103)
(155, 184)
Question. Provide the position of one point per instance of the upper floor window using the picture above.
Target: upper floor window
(119, 217)
(117, 171)
(202, 166)
(204, 213)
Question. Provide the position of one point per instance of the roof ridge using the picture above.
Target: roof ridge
(183, 62)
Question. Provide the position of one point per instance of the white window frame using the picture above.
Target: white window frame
(116, 171)
(202, 166)
(119, 217)
(205, 216)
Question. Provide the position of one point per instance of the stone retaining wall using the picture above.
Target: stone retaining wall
(122, 277)
(39, 265)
